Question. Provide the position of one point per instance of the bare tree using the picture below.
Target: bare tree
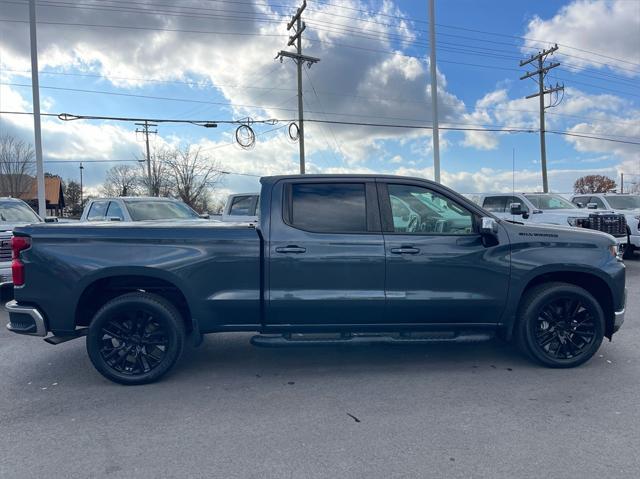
(161, 184)
(121, 180)
(193, 176)
(16, 166)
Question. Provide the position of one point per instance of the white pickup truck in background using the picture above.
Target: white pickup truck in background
(623, 203)
(553, 209)
(242, 207)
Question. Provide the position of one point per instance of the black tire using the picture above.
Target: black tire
(560, 325)
(135, 338)
(628, 251)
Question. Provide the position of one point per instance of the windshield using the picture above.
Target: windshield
(624, 202)
(14, 212)
(141, 210)
(550, 202)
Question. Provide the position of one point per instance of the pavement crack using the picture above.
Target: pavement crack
(353, 417)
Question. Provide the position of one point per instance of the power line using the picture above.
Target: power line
(371, 124)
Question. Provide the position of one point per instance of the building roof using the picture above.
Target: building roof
(52, 191)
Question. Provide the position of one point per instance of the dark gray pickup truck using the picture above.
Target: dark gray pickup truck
(334, 259)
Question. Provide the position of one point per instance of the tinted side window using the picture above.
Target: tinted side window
(97, 211)
(329, 207)
(423, 211)
(495, 204)
(115, 211)
(243, 205)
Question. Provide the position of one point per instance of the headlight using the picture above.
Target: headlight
(613, 249)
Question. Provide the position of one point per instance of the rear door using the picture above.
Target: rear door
(438, 269)
(326, 253)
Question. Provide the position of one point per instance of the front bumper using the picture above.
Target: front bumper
(634, 240)
(618, 316)
(25, 320)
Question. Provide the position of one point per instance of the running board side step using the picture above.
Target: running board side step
(319, 339)
(78, 333)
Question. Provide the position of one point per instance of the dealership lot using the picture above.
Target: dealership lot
(233, 410)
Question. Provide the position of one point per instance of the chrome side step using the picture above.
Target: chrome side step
(320, 339)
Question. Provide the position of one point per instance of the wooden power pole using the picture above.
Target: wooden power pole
(541, 72)
(299, 26)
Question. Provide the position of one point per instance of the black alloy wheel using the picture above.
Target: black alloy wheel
(134, 343)
(565, 328)
(560, 325)
(135, 338)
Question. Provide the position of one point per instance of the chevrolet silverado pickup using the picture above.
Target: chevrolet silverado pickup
(333, 260)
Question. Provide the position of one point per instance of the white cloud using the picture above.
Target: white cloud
(611, 28)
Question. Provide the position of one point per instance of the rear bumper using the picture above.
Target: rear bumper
(5, 273)
(618, 316)
(25, 320)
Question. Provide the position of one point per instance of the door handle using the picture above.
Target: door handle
(291, 249)
(405, 250)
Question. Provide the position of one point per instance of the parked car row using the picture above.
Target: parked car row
(627, 205)
(333, 259)
(553, 209)
(15, 212)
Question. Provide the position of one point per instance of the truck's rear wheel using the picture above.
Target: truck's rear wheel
(135, 338)
(560, 325)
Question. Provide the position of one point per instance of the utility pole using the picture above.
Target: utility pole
(434, 92)
(35, 88)
(145, 129)
(541, 72)
(299, 26)
(621, 182)
(81, 191)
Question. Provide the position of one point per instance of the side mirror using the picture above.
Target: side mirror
(489, 226)
(592, 206)
(579, 204)
(51, 219)
(516, 209)
(205, 216)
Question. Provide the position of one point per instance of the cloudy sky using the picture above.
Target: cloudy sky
(214, 60)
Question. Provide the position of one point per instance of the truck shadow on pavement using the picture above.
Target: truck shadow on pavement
(232, 352)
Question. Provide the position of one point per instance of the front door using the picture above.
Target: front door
(439, 270)
(326, 254)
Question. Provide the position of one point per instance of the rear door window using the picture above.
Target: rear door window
(329, 207)
(114, 211)
(97, 211)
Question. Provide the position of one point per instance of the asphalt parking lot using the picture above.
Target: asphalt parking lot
(232, 410)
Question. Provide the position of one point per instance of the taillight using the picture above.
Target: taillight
(18, 244)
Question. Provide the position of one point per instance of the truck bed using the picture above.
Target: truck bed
(215, 266)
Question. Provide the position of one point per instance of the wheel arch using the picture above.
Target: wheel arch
(99, 290)
(597, 286)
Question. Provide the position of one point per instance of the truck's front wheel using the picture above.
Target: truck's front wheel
(135, 338)
(560, 325)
